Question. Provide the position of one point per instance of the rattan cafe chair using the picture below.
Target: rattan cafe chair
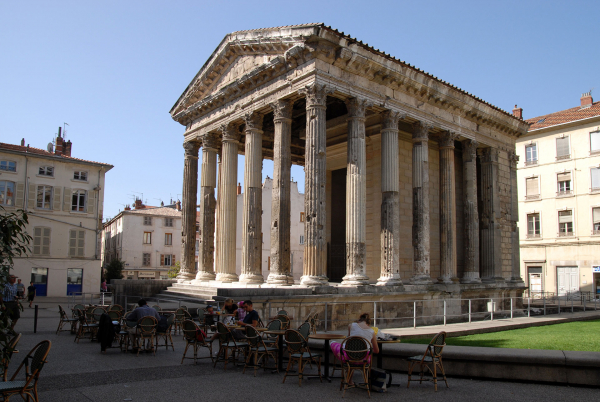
(34, 363)
(431, 360)
(190, 334)
(299, 353)
(227, 345)
(8, 352)
(356, 352)
(285, 321)
(304, 330)
(258, 350)
(77, 307)
(145, 334)
(282, 312)
(64, 319)
(180, 317)
(85, 327)
(274, 325)
(166, 334)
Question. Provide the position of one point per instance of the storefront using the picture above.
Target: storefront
(596, 274)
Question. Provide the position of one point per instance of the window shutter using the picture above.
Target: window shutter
(72, 243)
(596, 215)
(31, 197)
(46, 241)
(562, 147)
(37, 240)
(56, 199)
(162, 260)
(595, 141)
(173, 259)
(564, 176)
(67, 199)
(80, 243)
(91, 201)
(532, 186)
(20, 196)
(595, 177)
(565, 216)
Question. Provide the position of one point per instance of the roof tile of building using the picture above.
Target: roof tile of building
(162, 211)
(564, 116)
(38, 151)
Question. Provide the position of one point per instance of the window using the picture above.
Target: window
(9, 166)
(564, 183)
(7, 193)
(301, 239)
(301, 216)
(41, 241)
(168, 239)
(595, 173)
(46, 171)
(79, 175)
(148, 220)
(78, 201)
(562, 148)
(533, 189)
(596, 220)
(595, 142)
(44, 197)
(167, 260)
(169, 222)
(76, 243)
(146, 259)
(533, 226)
(147, 237)
(531, 154)
(565, 223)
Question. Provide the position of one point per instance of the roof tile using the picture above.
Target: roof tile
(38, 151)
(564, 116)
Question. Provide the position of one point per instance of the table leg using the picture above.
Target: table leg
(380, 356)
(327, 349)
(280, 353)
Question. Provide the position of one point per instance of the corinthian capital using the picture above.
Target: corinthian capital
(357, 107)
(230, 132)
(421, 131)
(488, 155)
(390, 118)
(253, 121)
(316, 94)
(191, 149)
(210, 141)
(513, 159)
(447, 139)
(469, 150)
(282, 109)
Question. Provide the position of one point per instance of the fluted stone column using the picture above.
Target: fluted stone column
(390, 203)
(420, 228)
(513, 159)
(208, 203)
(187, 271)
(280, 270)
(218, 208)
(471, 214)
(447, 208)
(252, 214)
(491, 259)
(315, 226)
(228, 205)
(356, 195)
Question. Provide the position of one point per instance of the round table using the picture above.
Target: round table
(327, 337)
(279, 333)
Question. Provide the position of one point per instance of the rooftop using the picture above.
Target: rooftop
(564, 116)
(44, 153)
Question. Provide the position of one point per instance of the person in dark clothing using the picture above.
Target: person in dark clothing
(106, 332)
(30, 293)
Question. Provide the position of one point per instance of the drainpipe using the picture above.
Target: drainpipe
(26, 195)
(98, 212)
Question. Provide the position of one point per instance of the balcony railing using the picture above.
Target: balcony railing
(565, 234)
(531, 163)
(532, 197)
(534, 235)
(563, 157)
(564, 193)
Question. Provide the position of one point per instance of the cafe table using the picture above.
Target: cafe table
(327, 337)
(279, 333)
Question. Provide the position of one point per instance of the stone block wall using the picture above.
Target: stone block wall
(505, 210)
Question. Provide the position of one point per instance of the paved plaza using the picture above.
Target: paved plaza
(79, 372)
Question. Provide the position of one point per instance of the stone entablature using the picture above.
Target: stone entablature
(320, 99)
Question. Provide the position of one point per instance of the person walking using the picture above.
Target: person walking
(10, 303)
(20, 289)
(30, 293)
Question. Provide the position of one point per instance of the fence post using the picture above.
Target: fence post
(511, 308)
(375, 313)
(414, 314)
(469, 311)
(558, 299)
(572, 305)
(529, 307)
(584, 304)
(325, 316)
(544, 297)
(492, 316)
(444, 312)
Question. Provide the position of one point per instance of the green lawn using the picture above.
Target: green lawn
(580, 335)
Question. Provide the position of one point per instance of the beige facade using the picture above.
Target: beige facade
(408, 180)
(63, 197)
(559, 201)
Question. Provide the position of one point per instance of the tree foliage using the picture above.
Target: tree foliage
(174, 270)
(114, 270)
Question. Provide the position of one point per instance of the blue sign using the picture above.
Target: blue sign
(596, 268)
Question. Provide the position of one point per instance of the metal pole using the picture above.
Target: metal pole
(469, 311)
(35, 317)
(325, 316)
(444, 312)
(572, 304)
(558, 298)
(511, 308)
(492, 316)
(544, 298)
(529, 307)
(414, 314)
(375, 313)
(584, 304)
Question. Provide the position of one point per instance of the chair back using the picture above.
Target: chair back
(115, 307)
(89, 313)
(114, 315)
(295, 341)
(304, 330)
(34, 362)
(147, 325)
(223, 332)
(253, 337)
(157, 307)
(62, 313)
(183, 307)
(436, 346)
(180, 315)
(78, 307)
(357, 349)
(189, 330)
(8, 352)
(282, 312)
(285, 321)
(97, 313)
(201, 315)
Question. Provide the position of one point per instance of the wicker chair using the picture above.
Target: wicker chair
(274, 325)
(77, 307)
(180, 317)
(166, 334)
(432, 357)
(115, 307)
(356, 352)
(157, 308)
(146, 331)
(97, 313)
(304, 330)
(227, 343)
(64, 319)
(8, 352)
(114, 316)
(285, 321)
(300, 353)
(34, 363)
(258, 349)
(190, 334)
(282, 312)
(85, 327)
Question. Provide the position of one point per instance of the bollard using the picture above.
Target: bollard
(325, 316)
(35, 317)
(444, 312)
(511, 308)
(375, 313)
(415, 314)
(469, 311)
(544, 296)
(529, 307)
(492, 315)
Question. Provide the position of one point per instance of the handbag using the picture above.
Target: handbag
(200, 335)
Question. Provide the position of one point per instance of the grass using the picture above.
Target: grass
(578, 335)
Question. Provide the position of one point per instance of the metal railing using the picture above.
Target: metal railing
(100, 298)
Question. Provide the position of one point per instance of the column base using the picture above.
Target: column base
(446, 280)
(280, 279)
(470, 277)
(223, 277)
(205, 276)
(420, 280)
(185, 277)
(355, 280)
(516, 279)
(495, 280)
(389, 281)
(314, 280)
(252, 278)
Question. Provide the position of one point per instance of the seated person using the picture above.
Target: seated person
(361, 328)
(209, 318)
(251, 319)
(228, 312)
(143, 310)
(240, 312)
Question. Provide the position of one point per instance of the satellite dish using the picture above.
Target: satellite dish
(50, 147)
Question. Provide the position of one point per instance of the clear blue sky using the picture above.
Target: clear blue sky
(113, 69)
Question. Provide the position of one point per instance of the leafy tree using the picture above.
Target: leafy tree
(114, 270)
(174, 270)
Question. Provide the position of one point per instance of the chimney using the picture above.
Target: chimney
(23, 142)
(67, 148)
(586, 100)
(138, 204)
(59, 143)
(518, 112)
(127, 207)
(178, 205)
(239, 189)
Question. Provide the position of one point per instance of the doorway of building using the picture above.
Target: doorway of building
(568, 280)
(74, 280)
(39, 277)
(336, 268)
(535, 282)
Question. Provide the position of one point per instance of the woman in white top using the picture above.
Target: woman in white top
(361, 328)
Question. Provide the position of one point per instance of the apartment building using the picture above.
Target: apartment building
(63, 197)
(559, 200)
